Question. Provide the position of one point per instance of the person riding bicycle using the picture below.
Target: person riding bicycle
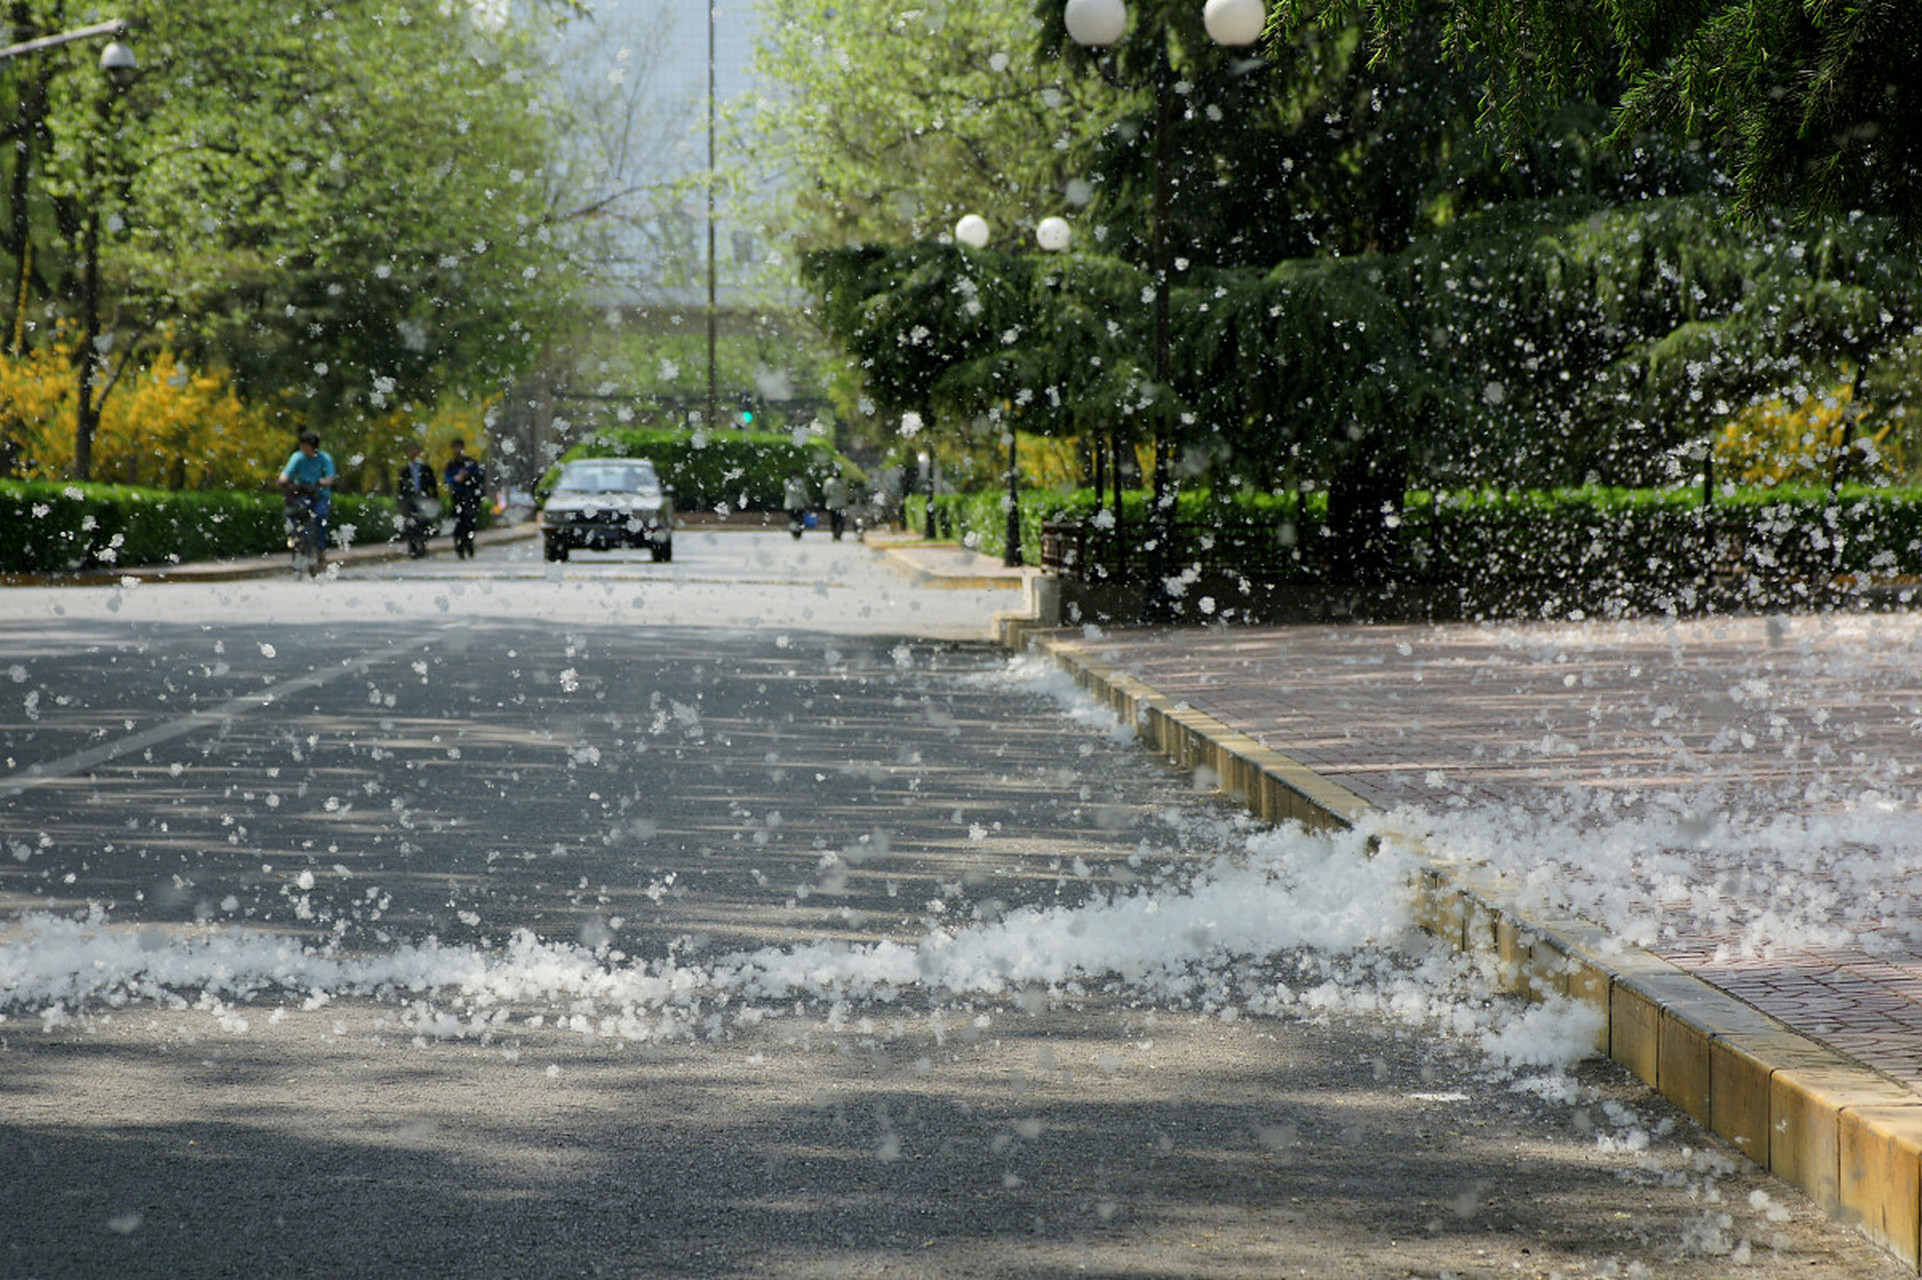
(310, 472)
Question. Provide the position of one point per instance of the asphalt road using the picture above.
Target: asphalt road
(557, 900)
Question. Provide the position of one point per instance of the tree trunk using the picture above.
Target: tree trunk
(1365, 499)
(87, 409)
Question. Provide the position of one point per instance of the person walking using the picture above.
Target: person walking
(834, 496)
(466, 482)
(795, 499)
(419, 500)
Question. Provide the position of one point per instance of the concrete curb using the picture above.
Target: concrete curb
(274, 566)
(920, 575)
(1847, 1137)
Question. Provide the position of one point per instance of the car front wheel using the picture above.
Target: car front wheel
(553, 548)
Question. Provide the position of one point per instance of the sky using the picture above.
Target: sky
(663, 46)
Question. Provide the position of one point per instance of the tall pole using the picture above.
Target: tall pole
(1162, 522)
(1011, 552)
(713, 398)
(91, 362)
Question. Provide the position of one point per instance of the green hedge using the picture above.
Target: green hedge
(732, 470)
(50, 527)
(1556, 551)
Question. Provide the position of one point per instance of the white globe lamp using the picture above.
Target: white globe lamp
(1234, 23)
(972, 231)
(1095, 22)
(1053, 234)
(119, 65)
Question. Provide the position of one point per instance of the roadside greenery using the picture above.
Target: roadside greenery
(1813, 107)
(868, 149)
(1492, 553)
(720, 470)
(64, 527)
(1543, 343)
(1371, 291)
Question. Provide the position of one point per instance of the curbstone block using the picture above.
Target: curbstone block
(1635, 1032)
(1880, 1153)
(1806, 1103)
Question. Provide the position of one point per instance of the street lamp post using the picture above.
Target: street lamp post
(1096, 24)
(1053, 235)
(713, 396)
(119, 66)
(116, 60)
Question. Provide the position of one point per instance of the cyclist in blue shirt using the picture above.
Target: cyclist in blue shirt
(314, 471)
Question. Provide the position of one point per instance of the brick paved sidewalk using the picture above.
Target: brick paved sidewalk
(1740, 796)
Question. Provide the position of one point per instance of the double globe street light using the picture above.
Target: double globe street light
(1230, 23)
(1053, 235)
(1096, 24)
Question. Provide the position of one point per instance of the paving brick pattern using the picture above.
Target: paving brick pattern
(1587, 726)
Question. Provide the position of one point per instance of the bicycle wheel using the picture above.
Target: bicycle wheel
(300, 539)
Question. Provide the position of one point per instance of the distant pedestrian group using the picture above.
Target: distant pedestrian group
(464, 481)
(834, 500)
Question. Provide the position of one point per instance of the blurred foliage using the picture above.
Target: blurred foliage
(1539, 344)
(1353, 263)
(172, 426)
(346, 208)
(889, 123)
(1807, 443)
(649, 369)
(1814, 107)
(1323, 143)
(60, 527)
(723, 470)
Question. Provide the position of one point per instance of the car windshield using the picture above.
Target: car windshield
(608, 478)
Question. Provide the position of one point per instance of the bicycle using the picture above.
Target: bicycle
(420, 514)
(303, 529)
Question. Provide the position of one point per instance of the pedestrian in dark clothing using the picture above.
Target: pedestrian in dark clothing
(834, 496)
(794, 496)
(466, 484)
(419, 501)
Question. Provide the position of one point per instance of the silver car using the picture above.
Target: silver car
(602, 504)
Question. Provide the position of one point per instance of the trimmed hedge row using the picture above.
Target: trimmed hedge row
(733, 470)
(1559, 551)
(50, 527)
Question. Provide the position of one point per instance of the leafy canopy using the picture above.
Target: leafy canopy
(1815, 107)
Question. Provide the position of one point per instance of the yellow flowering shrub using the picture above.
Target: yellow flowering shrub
(165, 425)
(36, 414)
(1777, 443)
(371, 449)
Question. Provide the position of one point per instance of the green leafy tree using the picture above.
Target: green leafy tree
(347, 206)
(1813, 107)
(888, 123)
